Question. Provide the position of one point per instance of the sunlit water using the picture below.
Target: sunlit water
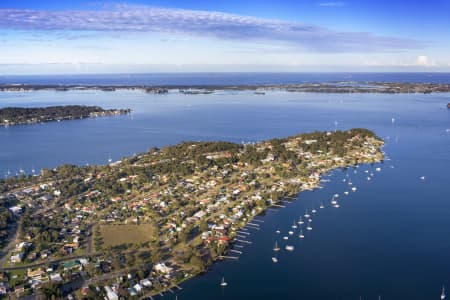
(390, 238)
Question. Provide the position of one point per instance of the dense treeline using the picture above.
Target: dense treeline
(6, 218)
(21, 115)
(334, 142)
(193, 149)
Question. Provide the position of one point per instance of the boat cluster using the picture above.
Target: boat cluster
(303, 225)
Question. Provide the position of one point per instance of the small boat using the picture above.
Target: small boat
(223, 282)
(336, 195)
(300, 221)
(321, 205)
(276, 247)
(346, 193)
(307, 215)
(294, 225)
(354, 189)
(301, 235)
(275, 260)
(337, 205)
(285, 237)
(443, 296)
(313, 210)
(333, 201)
(291, 232)
(277, 232)
(378, 169)
(110, 160)
(309, 227)
(350, 183)
(289, 248)
(422, 177)
(368, 178)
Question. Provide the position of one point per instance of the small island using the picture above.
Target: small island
(148, 222)
(29, 115)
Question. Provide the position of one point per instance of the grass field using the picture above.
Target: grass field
(114, 235)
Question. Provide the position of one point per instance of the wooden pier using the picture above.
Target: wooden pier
(243, 232)
(242, 241)
(229, 257)
(253, 224)
(278, 205)
(253, 227)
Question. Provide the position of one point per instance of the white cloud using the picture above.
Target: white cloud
(424, 61)
(332, 4)
(143, 19)
(419, 62)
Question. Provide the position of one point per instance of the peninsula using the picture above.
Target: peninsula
(148, 222)
(29, 115)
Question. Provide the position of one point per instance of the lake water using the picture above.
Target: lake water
(389, 238)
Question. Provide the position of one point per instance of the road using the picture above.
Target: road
(43, 263)
(12, 242)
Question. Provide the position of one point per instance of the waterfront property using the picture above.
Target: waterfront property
(168, 213)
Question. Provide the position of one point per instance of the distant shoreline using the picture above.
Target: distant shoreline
(10, 116)
(332, 87)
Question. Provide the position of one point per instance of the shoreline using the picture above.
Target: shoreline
(293, 196)
(244, 181)
(13, 116)
(325, 87)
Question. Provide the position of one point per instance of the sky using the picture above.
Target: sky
(65, 37)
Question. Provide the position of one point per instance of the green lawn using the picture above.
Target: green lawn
(114, 235)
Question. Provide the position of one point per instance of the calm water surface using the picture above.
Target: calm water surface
(389, 238)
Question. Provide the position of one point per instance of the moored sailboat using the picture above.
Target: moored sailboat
(276, 247)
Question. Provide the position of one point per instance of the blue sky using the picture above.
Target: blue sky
(39, 37)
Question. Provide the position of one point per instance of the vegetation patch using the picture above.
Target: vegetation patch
(116, 235)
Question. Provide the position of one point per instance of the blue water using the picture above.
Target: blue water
(224, 78)
(390, 238)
